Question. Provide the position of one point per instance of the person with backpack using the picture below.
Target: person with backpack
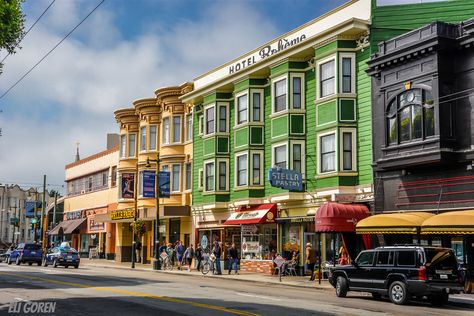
(189, 255)
(198, 255)
(179, 254)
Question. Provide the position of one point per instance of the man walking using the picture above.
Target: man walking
(310, 260)
(179, 254)
(198, 257)
(138, 251)
(216, 250)
(233, 259)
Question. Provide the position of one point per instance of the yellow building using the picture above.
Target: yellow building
(154, 127)
(91, 193)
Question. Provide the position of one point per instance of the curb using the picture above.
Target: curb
(316, 287)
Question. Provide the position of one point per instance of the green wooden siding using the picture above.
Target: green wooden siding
(327, 112)
(311, 157)
(209, 145)
(279, 125)
(197, 160)
(326, 49)
(242, 137)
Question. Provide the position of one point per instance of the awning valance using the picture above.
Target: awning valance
(393, 223)
(262, 214)
(339, 218)
(68, 226)
(456, 222)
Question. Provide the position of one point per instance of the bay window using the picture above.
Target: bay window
(152, 144)
(175, 178)
(327, 75)
(242, 109)
(328, 153)
(143, 138)
(131, 145)
(166, 130)
(176, 129)
(279, 156)
(241, 170)
(210, 120)
(209, 175)
(279, 99)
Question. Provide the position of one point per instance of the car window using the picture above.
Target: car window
(32, 247)
(20, 246)
(55, 250)
(385, 258)
(406, 258)
(365, 258)
(440, 258)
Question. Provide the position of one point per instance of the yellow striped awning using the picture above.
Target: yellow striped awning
(455, 222)
(392, 223)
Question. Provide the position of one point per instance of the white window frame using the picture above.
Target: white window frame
(123, 146)
(188, 130)
(185, 177)
(303, 99)
(205, 175)
(200, 179)
(273, 153)
(353, 131)
(180, 129)
(261, 154)
(164, 135)
(236, 171)
(149, 138)
(262, 104)
(201, 124)
(227, 119)
(275, 80)
(236, 106)
(353, 69)
(143, 128)
(128, 145)
(303, 155)
(227, 175)
(318, 151)
(205, 119)
(172, 178)
(318, 77)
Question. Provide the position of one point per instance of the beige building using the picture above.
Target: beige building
(154, 127)
(91, 192)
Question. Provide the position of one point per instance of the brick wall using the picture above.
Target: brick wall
(256, 266)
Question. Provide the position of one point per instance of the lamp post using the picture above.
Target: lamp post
(135, 197)
(156, 259)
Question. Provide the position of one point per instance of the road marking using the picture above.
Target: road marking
(258, 296)
(138, 294)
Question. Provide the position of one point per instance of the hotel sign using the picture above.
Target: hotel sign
(286, 179)
(124, 214)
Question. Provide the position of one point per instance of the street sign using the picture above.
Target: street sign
(286, 179)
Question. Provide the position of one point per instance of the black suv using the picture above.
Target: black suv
(402, 273)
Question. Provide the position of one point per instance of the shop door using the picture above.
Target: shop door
(175, 233)
(186, 240)
(311, 238)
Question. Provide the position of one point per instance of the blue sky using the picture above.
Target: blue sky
(123, 52)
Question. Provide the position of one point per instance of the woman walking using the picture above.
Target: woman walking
(189, 255)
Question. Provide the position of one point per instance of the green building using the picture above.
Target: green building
(299, 102)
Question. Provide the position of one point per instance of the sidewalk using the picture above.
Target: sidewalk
(296, 281)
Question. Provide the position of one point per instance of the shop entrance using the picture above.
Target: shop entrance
(175, 233)
(313, 239)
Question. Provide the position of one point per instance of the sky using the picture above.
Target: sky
(124, 51)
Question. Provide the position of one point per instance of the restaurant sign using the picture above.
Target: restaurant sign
(124, 214)
(251, 246)
(286, 179)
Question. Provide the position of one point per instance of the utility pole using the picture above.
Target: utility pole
(43, 208)
(54, 210)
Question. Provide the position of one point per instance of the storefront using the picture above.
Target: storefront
(70, 231)
(258, 236)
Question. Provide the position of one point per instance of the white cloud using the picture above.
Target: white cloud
(96, 71)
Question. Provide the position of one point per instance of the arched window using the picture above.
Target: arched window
(410, 116)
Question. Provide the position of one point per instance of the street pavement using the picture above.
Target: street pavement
(114, 290)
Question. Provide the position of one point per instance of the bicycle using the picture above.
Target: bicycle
(208, 264)
(166, 262)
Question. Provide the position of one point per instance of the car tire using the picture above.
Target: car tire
(439, 299)
(66, 266)
(341, 286)
(55, 263)
(398, 293)
(18, 261)
(376, 296)
(38, 264)
(76, 266)
(30, 263)
(9, 261)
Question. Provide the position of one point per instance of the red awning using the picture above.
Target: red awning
(262, 214)
(339, 218)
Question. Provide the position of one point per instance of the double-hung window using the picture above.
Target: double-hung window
(123, 146)
(152, 144)
(242, 170)
(346, 74)
(222, 175)
(210, 120)
(222, 118)
(256, 169)
(143, 138)
(166, 130)
(131, 145)
(297, 157)
(296, 82)
(200, 178)
(176, 168)
(328, 153)
(209, 168)
(188, 177)
(256, 106)
(279, 156)
(327, 81)
(176, 129)
(347, 151)
(279, 101)
(189, 127)
(242, 109)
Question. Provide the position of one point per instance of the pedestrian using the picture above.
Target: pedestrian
(179, 254)
(233, 256)
(310, 260)
(189, 256)
(343, 256)
(138, 251)
(198, 255)
(162, 248)
(169, 252)
(217, 250)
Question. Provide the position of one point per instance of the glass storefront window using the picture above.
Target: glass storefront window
(290, 237)
(259, 242)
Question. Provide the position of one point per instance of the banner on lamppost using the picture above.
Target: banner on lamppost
(128, 185)
(148, 183)
(164, 184)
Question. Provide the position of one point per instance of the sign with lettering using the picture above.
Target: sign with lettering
(250, 246)
(249, 229)
(74, 215)
(128, 185)
(124, 214)
(286, 179)
(148, 184)
(164, 184)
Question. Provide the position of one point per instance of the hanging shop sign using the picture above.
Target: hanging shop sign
(285, 179)
(128, 185)
(148, 183)
(124, 214)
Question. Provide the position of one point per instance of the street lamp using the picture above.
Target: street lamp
(156, 259)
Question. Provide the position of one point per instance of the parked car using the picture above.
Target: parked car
(26, 253)
(60, 256)
(4, 254)
(402, 273)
